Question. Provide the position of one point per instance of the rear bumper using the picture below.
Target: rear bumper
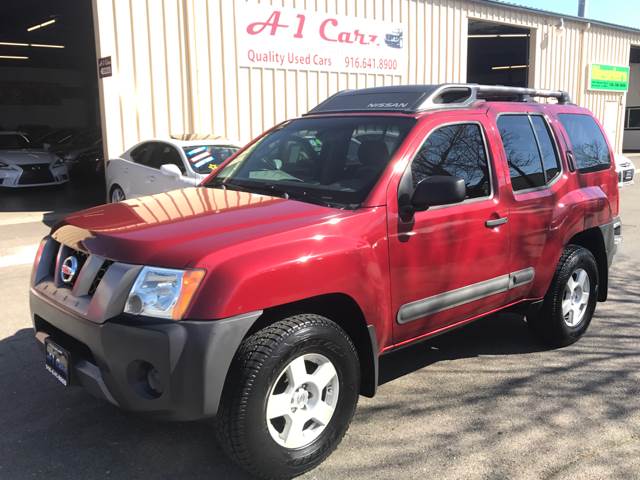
(109, 359)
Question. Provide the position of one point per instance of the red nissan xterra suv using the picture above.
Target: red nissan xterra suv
(384, 216)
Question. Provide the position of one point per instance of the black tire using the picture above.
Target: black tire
(242, 426)
(112, 191)
(549, 323)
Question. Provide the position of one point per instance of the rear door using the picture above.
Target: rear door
(450, 263)
(535, 186)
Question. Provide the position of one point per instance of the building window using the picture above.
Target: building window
(589, 145)
(459, 151)
(632, 119)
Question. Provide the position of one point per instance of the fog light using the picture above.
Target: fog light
(145, 379)
(153, 381)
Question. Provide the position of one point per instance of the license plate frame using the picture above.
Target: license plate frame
(57, 361)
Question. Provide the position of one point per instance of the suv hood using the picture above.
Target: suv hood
(26, 156)
(177, 228)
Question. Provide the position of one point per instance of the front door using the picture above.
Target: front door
(450, 263)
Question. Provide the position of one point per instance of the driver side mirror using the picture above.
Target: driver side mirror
(438, 190)
(170, 170)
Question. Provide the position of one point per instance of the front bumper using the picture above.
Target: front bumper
(20, 177)
(108, 359)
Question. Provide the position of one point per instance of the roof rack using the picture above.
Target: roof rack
(419, 98)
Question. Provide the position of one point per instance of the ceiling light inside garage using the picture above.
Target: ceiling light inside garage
(14, 44)
(13, 57)
(42, 45)
(510, 67)
(500, 35)
(41, 25)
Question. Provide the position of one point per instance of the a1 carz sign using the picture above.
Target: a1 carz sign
(279, 37)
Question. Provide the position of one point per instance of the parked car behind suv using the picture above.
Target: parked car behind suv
(156, 166)
(266, 296)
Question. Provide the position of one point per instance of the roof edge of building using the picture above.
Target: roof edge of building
(538, 11)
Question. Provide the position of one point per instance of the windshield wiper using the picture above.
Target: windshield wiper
(275, 189)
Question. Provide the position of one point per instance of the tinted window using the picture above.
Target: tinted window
(456, 150)
(205, 158)
(525, 164)
(141, 153)
(333, 160)
(589, 146)
(547, 148)
(164, 154)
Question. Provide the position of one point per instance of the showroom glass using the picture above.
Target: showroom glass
(8, 142)
(456, 150)
(589, 146)
(532, 158)
(332, 161)
(204, 158)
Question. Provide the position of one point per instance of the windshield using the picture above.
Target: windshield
(11, 141)
(333, 161)
(205, 158)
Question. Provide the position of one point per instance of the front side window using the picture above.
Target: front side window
(164, 154)
(455, 150)
(589, 145)
(334, 161)
(523, 154)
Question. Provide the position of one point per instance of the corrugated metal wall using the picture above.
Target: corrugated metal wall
(175, 64)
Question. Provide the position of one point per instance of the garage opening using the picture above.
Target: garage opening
(631, 138)
(49, 97)
(498, 54)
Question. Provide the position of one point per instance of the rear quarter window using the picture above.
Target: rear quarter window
(589, 145)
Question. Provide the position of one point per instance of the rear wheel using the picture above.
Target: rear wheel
(290, 396)
(117, 194)
(570, 301)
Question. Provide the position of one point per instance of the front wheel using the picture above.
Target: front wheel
(117, 194)
(570, 301)
(291, 393)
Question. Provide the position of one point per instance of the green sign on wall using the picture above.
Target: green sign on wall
(608, 78)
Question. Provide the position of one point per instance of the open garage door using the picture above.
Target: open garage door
(498, 54)
(50, 137)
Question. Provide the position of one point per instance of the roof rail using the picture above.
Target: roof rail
(419, 98)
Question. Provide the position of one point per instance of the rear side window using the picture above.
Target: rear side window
(523, 156)
(548, 151)
(456, 150)
(589, 145)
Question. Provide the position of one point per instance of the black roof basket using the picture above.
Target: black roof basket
(419, 98)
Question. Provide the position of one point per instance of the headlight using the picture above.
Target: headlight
(57, 163)
(163, 292)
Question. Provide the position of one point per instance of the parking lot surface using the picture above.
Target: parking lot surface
(483, 402)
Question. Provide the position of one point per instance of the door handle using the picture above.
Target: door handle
(496, 222)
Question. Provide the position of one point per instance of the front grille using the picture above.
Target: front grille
(38, 173)
(96, 281)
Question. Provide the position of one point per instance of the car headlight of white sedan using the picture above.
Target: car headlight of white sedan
(57, 163)
(163, 292)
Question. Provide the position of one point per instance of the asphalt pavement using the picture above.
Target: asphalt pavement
(483, 402)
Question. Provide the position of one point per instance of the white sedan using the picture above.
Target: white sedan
(21, 165)
(156, 166)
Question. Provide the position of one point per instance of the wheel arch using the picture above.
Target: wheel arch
(345, 311)
(593, 240)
